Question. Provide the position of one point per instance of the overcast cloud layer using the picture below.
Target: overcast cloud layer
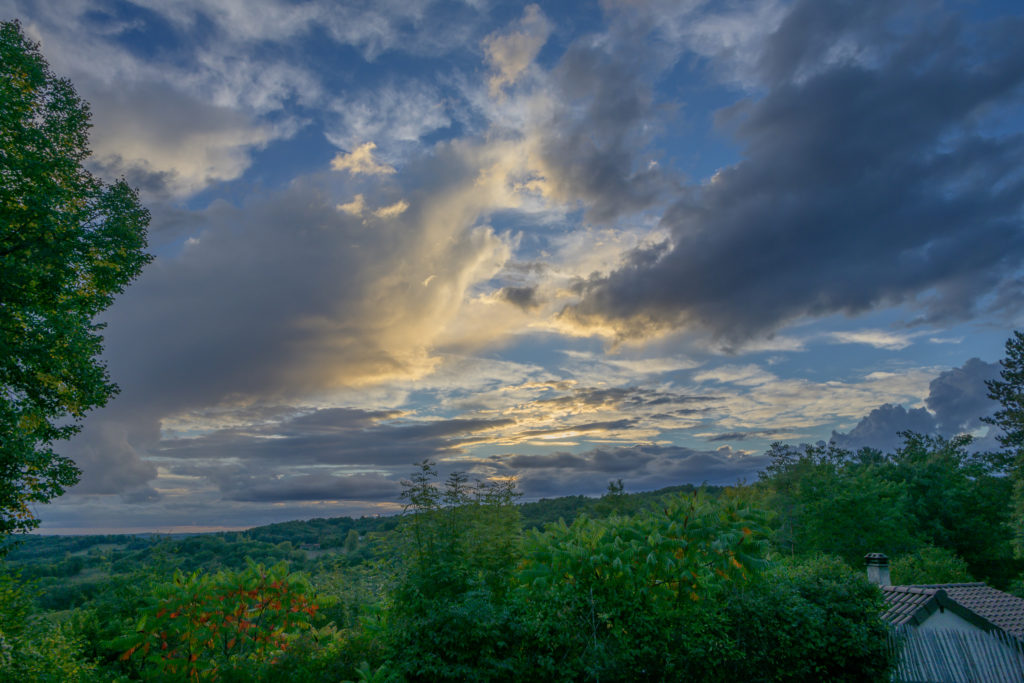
(568, 242)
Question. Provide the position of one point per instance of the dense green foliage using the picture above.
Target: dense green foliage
(1008, 390)
(930, 492)
(929, 564)
(809, 620)
(68, 245)
(215, 626)
(629, 597)
(658, 586)
(34, 647)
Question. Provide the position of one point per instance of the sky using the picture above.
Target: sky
(570, 242)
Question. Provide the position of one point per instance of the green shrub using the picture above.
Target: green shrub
(811, 620)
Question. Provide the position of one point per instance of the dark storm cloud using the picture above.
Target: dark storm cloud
(223, 318)
(640, 467)
(340, 436)
(959, 397)
(957, 400)
(523, 297)
(870, 176)
(110, 451)
(742, 436)
(225, 315)
(265, 302)
(589, 147)
(314, 487)
(880, 428)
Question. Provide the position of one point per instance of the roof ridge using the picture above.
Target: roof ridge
(949, 585)
(920, 590)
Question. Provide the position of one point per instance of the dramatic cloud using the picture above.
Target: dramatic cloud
(590, 147)
(956, 402)
(880, 428)
(866, 180)
(147, 132)
(959, 397)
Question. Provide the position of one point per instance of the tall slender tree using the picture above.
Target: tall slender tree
(1008, 390)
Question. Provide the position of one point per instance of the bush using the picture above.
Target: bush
(811, 620)
(33, 648)
(224, 626)
(633, 598)
(930, 565)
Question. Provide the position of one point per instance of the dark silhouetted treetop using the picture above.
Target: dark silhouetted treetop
(1009, 391)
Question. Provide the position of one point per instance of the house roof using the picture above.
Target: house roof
(977, 602)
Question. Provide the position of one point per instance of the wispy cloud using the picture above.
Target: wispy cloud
(511, 51)
(880, 339)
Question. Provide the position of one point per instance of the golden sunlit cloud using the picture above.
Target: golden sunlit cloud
(354, 207)
(392, 210)
(512, 53)
(361, 162)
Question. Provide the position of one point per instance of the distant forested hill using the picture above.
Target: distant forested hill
(71, 570)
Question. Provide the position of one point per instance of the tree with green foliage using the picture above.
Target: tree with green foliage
(812, 619)
(448, 618)
(956, 500)
(351, 543)
(1008, 390)
(68, 245)
(633, 598)
(32, 647)
(828, 500)
(929, 564)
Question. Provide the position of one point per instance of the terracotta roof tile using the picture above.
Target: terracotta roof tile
(1002, 609)
(908, 604)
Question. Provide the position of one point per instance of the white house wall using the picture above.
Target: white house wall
(947, 620)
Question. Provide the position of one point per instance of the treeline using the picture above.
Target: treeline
(942, 511)
(71, 570)
(759, 582)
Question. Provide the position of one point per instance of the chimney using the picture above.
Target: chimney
(878, 569)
